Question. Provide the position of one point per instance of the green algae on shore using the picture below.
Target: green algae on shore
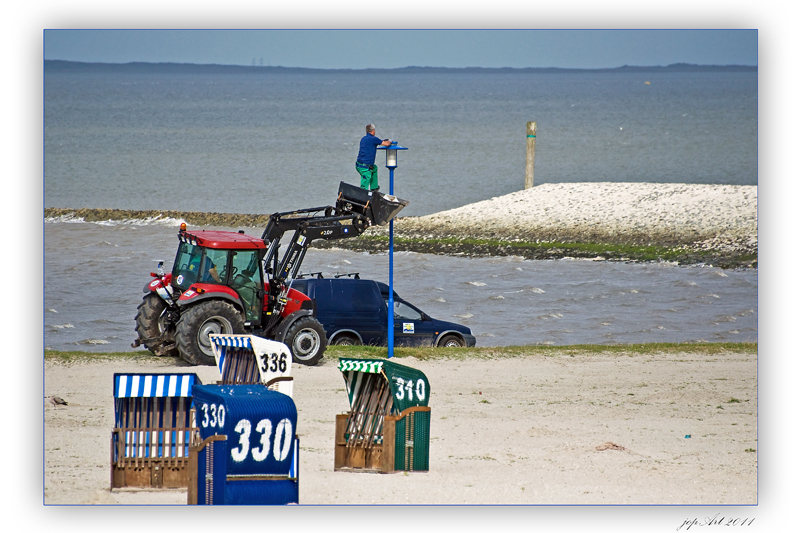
(681, 251)
(683, 255)
(489, 352)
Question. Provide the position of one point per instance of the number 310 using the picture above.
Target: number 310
(408, 387)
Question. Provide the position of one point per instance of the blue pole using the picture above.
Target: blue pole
(391, 272)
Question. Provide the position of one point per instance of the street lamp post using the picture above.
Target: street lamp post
(391, 164)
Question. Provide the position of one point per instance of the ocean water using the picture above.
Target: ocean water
(95, 273)
(263, 142)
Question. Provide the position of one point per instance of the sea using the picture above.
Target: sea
(258, 140)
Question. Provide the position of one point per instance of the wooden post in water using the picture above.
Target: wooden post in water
(529, 156)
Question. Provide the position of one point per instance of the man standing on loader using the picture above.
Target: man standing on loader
(365, 162)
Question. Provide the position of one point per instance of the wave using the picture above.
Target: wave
(93, 341)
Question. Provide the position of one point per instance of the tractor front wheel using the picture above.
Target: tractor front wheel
(152, 326)
(201, 320)
(306, 340)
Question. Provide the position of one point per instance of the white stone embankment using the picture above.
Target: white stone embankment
(722, 217)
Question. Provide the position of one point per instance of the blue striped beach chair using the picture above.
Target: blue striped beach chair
(251, 360)
(153, 427)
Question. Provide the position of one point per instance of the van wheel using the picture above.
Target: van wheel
(346, 339)
(306, 340)
(451, 341)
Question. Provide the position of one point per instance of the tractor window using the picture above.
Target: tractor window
(215, 266)
(184, 272)
(245, 279)
(197, 264)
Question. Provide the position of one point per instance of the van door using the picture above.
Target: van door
(362, 299)
(319, 290)
(410, 328)
(351, 305)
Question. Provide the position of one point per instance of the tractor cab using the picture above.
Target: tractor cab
(222, 263)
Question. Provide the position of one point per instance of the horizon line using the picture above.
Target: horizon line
(241, 66)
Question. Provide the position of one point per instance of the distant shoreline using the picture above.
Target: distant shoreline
(58, 65)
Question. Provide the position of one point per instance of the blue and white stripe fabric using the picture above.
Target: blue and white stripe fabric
(153, 385)
(234, 341)
(220, 342)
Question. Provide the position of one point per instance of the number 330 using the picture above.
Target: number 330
(282, 442)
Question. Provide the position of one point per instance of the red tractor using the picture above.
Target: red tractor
(228, 282)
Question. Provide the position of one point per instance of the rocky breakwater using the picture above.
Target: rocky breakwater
(687, 224)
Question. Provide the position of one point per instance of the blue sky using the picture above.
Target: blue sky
(400, 48)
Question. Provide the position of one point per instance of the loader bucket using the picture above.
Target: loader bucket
(379, 208)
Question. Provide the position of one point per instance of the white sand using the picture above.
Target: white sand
(721, 215)
(600, 429)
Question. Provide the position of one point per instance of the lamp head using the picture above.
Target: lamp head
(391, 154)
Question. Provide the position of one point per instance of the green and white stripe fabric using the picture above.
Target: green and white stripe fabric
(410, 387)
(358, 365)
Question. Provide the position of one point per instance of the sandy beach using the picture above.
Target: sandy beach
(561, 429)
(602, 429)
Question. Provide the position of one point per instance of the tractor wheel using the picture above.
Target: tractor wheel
(306, 340)
(151, 324)
(201, 320)
(451, 341)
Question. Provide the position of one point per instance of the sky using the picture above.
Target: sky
(358, 49)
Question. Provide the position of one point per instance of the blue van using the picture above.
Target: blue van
(353, 312)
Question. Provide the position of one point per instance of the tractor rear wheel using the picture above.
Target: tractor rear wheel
(306, 340)
(151, 323)
(201, 320)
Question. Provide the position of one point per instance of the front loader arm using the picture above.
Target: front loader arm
(355, 210)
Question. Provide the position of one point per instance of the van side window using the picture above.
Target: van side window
(405, 312)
